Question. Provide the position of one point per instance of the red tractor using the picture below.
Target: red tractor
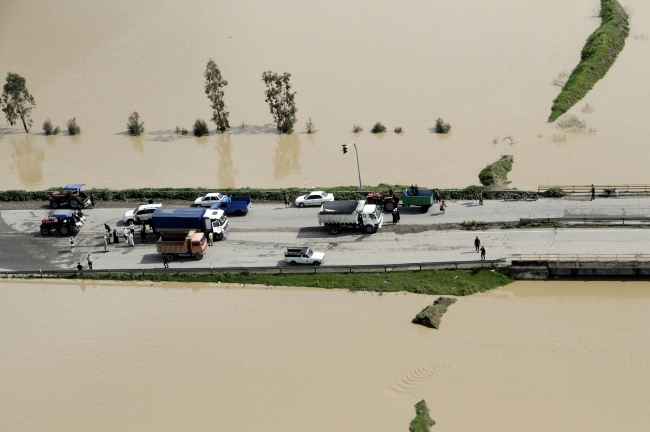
(388, 202)
(71, 195)
(62, 221)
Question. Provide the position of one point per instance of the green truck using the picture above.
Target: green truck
(424, 199)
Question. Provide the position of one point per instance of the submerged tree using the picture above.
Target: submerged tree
(16, 101)
(134, 125)
(281, 100)
(214, 84)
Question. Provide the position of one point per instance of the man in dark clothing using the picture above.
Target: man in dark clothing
(412, 189)
(482, 253)
(116, 239)
(417, 190)
(437, 194)
(593, 193)
(92, 200)
(165, 263)
(79, 266)
(394, 214)
(143, 234)
(477, 243)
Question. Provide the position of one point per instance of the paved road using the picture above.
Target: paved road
(260, 237)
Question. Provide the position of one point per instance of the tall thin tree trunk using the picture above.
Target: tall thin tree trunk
(22, 117)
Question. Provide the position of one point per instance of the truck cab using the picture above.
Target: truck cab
(371, 218)
(217, 222)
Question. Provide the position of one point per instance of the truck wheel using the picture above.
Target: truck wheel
(238, 212)
(301, 205)
(45, 231)
(198, 256)
(425, 208)
(170, 257)
(74, 203)
(316, 263)
(389, 206)
(293, 263)
(219, 237)
(369, 229)
(335, 229)
(54, 204)
(64, 230)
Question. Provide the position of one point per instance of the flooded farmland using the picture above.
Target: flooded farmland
(83, 356)
(485, 67)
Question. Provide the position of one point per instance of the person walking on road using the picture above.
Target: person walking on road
(593, 192)
(89, 258)
(116, 238)
(477, 243)
(480, 198)
(131, 243)
(443, 206)
(106, 237)
(286, 200)
(210, 238)
(165, 262)
(73, 243)
(143, 234)
(482, 253)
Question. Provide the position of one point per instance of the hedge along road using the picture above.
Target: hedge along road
(259, 238)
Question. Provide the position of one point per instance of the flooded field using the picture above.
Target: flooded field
(560, 356)
(485, 67)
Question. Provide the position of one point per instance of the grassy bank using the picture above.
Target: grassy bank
(496, 174)
(598, 55)
(434, 282)
(190, 194)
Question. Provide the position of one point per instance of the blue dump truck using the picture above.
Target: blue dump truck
(184, 219)
(237, 205)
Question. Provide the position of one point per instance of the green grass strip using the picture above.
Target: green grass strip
(598, 55)
(422, 421)
(497, 171)
(434, 282)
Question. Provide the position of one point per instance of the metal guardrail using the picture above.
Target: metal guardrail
(585, 219)
(272, 270)
(579, 257)
(627, 188)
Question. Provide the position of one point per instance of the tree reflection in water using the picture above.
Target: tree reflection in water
(287, 156)
(226, 172)
(27, 160)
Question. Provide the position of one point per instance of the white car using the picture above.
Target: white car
(208, 199)
(303, 255)
(315, 198)
(141, 213)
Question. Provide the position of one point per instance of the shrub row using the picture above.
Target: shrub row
(190, 194)
(598, 55)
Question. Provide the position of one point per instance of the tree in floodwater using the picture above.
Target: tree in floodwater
(134, 126)
(16, 101)
(214, 84)
(281, 100)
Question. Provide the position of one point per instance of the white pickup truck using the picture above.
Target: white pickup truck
(303, 255)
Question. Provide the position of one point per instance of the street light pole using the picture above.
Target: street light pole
(345, 150)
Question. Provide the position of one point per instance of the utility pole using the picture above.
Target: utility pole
(345, 150)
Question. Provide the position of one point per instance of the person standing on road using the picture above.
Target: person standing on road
(116, 238)
(125, 231)
(132, 228)
(436, 193)
(165, 262)
(131, 243)
(210, 238)
(79, 266)
(480, 198)
(482, 253)
(477, 243)
(593, 192)
(286, 200)
(443, 206)
(394, 214)
(143, 234)
(92, 200)
(106, 237)
(89, 258)
(72, 244)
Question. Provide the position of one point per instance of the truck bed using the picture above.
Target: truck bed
(423, 198)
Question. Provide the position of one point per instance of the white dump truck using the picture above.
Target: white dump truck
(336, 215)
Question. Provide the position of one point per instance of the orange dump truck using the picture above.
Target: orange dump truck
(173, 245)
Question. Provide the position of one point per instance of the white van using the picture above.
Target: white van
(141, 213)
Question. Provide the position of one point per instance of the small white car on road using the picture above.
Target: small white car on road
(208, 199)
(315, 198)
(141, 213)
(303, 255)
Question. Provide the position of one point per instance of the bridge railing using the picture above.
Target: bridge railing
(622, 188)
(579, 257)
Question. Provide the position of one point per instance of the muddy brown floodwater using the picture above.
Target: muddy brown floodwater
(485, 67)
(561, 356)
